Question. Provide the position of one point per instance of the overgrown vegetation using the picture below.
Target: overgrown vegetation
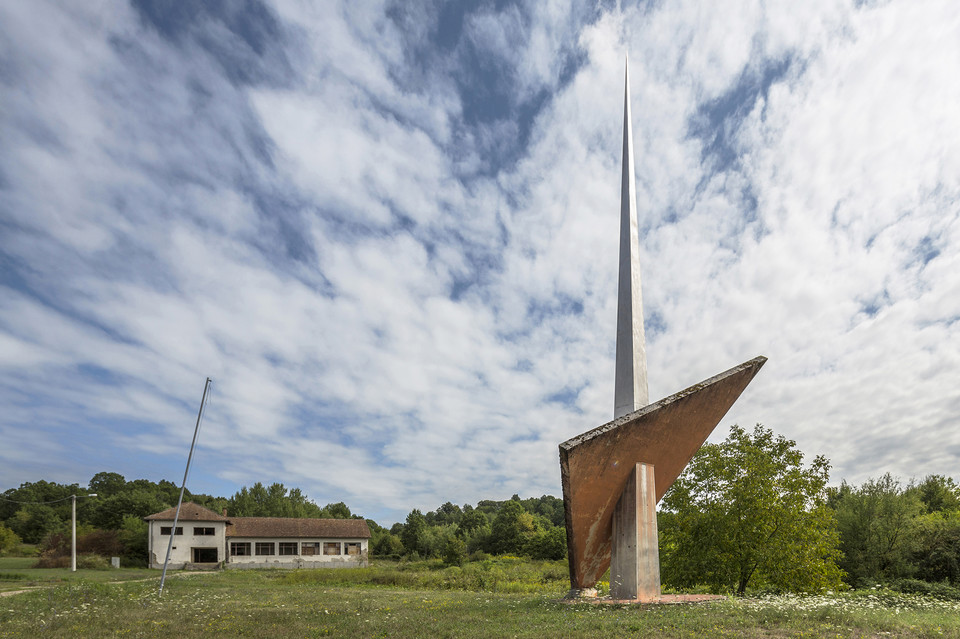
(426, 599)
(746, 512)
(746, 516)
(112, 524)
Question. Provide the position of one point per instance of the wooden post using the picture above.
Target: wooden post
(635, 554)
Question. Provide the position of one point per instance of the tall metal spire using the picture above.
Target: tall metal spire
(631, 380)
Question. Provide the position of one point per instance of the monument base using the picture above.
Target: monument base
(634, 550)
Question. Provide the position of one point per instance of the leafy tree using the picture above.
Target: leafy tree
(875, 523)
(550, 543)
(936, 547)
(510, 529)
(413, 532)
(107, 484)
(34, 521)
(471, 520)
(939, 494)
(276, 501)
(133, 536)
(745, 512)
(9, 541)
(455, 551)
(476, 539)
(338, 510)
(434, 540)
(386, 545)
(449, 513)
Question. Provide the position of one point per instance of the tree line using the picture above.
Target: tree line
(745, 513)
(521, 527)
(749, 513)
(111, 524)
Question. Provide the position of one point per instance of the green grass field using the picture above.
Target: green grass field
(498, 598)
(16, 574)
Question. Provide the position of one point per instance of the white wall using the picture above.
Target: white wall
(183, 544)
(296, 561)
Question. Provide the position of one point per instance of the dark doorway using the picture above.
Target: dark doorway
(205, 555)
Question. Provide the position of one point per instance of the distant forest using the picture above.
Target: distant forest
(877, 532)
(38, 513)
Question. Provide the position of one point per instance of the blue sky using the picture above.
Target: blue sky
(388, 232)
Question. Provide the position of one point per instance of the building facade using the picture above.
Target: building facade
(204, 539)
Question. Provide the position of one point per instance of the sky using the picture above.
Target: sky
(388, 231)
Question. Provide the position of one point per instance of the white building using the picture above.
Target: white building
(205, 539)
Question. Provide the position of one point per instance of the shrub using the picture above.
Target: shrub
(9, 541)
(455, 552)
(918, 587)
(93, 562)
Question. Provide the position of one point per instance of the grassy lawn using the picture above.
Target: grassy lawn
(392, 601)
(16, 574)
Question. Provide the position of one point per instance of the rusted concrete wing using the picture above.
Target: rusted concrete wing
(595, 466)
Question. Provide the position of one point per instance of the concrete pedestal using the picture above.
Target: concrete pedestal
(634, 552)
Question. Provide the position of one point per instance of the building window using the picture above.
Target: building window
(265, 548)
(351, 548)
(199, 532)
(240, 548)
(165, 530)
(310, 548)
(331, 547)
(288, 547)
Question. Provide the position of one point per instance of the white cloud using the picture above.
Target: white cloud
(388, 326)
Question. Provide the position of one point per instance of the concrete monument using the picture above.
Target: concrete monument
(613, 476)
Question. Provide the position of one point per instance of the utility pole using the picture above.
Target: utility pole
(176, 516)
(73, 541)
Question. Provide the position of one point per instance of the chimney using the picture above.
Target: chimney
(224, 512)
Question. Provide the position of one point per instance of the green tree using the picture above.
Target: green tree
(35, 521)
(338, 510)
(455, 551)
(747, 512)
(875, 529)
(133, 536)
(550, 543)
(938, 494)
(386, 544)
(276, 501)
(107, 484)
(471, 520)
(413, 532)
(936, 547)
(9, 541)
(510, 529)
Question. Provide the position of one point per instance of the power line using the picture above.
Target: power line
(37, 503)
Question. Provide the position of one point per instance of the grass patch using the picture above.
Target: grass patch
(22, 574)
(357, 603)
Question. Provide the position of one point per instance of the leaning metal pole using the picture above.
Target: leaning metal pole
(176, 516)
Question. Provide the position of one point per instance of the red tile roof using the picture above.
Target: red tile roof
(288, 527)
(189, 511)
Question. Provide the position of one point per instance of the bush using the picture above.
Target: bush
(547, 544)
(62, 561)
(455, 552)
(93, 562)
(84, 562)
(9, 541)
(918, 587)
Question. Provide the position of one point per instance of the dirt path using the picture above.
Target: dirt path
(18, 592)
(9, 593)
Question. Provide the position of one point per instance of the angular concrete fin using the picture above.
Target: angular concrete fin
(594, 466)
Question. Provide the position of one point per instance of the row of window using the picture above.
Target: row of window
(197, 531)
(307, 548)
